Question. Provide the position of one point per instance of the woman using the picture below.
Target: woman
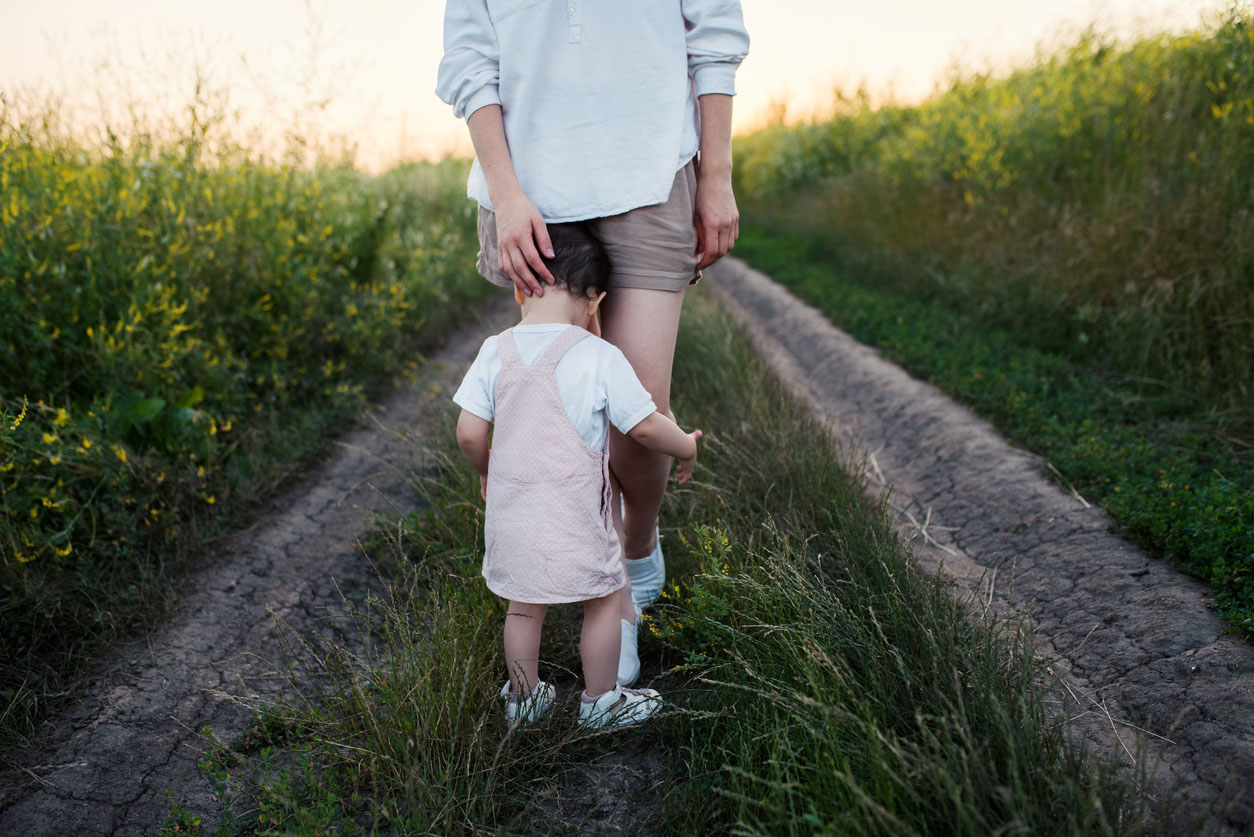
(593, 111)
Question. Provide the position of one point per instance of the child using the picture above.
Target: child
(548, 390)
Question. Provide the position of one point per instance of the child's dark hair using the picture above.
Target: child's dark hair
(579, 264)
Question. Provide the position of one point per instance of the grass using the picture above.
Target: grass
(169, 310)
(1065, 249)
(820, 683)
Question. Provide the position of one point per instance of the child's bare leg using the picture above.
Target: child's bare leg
(523, 625)
(598, 646)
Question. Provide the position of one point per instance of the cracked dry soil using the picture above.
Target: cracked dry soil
(104, 766)
(1131, 639)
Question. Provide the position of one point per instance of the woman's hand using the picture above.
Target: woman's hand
(718, 219)
(521, 236)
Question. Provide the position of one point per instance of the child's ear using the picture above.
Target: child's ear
(518, 297)
(594, 303)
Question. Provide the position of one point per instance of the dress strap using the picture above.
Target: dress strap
(559, 347)
(507, 349)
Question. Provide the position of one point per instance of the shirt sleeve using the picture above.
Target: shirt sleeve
(717, 43)
(477, 394)
(627, 402)
(470, 71)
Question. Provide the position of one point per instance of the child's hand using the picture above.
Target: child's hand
(685, 465)
(483, 487)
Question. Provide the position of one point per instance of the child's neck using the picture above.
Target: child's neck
(555, 307)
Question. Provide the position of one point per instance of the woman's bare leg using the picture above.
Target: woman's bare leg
(643, 324)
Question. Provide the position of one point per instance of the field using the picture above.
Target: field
(1067, 250)
(183, 326)
(819, 681)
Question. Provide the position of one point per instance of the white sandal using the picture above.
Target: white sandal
(619, 707)
(532, 706)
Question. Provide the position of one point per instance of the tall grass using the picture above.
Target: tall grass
(1099, 202)
(182, 322)
(818, 683)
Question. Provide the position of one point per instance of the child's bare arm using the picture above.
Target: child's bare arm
(660, 433)
(472, 438)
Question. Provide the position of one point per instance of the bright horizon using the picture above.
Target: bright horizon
(381, 55)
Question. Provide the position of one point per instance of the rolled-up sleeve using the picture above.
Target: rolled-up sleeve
(717, 43)
(469, 74)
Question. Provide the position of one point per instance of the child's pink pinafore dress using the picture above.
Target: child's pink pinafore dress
(548, 524)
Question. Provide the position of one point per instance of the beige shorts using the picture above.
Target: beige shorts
(651, 247)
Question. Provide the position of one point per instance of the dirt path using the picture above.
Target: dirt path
(1132, 637)
(105, 765)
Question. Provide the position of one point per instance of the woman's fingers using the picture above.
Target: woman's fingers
(541, 233)
(514, 266)
(520, 228)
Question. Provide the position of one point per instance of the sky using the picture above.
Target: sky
(375, 60)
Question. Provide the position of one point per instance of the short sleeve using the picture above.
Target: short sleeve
(477, 393)
(627, 402)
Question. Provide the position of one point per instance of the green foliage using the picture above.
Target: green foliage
(185, 330)
(1099, 202)
(1065, 249)
(1174, 485)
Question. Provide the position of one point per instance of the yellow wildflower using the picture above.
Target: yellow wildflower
(64, 552)
(49, 438)
(23, 558)
(119, 452)
(87, 443)
(62, 417)
(20, 416)
(210, 500)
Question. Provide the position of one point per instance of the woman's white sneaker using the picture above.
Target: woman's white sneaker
(648, 575)
(619, 707)
(532, 706)
(628, 655)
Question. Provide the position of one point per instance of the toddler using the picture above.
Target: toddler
(545, 393)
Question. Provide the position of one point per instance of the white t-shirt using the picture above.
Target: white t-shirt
(596, 383)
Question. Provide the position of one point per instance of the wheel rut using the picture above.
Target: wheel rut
(104, 765)
(1140, 656)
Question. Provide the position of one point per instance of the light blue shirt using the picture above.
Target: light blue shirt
(598, 97)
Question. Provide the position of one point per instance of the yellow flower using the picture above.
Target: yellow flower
(210, 500)
(56, 460)
(62, 417)
(49, 438)
(20, 416)
(226, 425)
(87, 443)
(64, 552)
(25, 559)
(200, 471)
(119, 452)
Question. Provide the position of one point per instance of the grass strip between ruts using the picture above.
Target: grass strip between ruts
(819, 683)
(1175, 488)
